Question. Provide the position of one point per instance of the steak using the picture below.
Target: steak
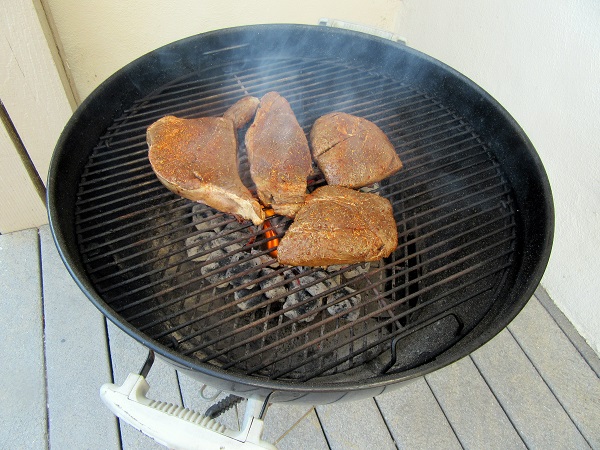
(279, 156)
(338, 225)
(197, 159)
(242, 111)
(352, 151)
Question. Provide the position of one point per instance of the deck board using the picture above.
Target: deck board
(22, 374)
(531, 406)
(567, 374)
(77, 360)
(415, 418)
(293, 427)
(476, 416)
(577, 341)
(343, 431)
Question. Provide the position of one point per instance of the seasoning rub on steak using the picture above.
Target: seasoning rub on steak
(338, 225)
(352, 151)
(279, 156)
(197, 159)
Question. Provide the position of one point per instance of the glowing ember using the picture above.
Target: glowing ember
(273, 241)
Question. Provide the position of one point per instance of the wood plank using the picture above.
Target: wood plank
(294, 426)
(127, 356)
(355, 425)
(587, 353)
(527, 400)
(415, 418)
(476, 416)
(23, 420)
(77, 360)
(569, 377)
(20, 204)
(31, 88)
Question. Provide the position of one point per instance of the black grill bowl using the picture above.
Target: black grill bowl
(473, 207)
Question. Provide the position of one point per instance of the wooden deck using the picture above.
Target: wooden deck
(536, 385)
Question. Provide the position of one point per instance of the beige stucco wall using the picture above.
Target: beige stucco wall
(99, 37)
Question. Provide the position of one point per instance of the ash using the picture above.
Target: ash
(341, 308)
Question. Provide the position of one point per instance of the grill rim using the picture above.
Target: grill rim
(102, 106)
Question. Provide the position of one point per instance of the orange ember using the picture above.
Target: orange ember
(270, 234)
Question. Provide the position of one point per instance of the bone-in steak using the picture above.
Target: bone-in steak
(352, 151)
(197, 159)
(338, 225)
(242, 111)
(279, 155)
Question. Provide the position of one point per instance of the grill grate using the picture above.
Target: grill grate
(205, 285)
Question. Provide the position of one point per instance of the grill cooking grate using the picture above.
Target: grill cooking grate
(205, 285)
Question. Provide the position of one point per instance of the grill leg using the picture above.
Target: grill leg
(148, 364)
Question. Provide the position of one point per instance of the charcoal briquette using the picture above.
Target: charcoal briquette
(250, 302)
(339, 308)
(226, 241)
(297, 297)
(218, 261)
(272, 291)
(206, 218)
(243, 266)
(356, 271)
(200, 243)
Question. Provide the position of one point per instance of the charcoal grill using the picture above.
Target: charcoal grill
(473, 208)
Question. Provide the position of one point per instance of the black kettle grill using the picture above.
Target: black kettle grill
(473, 208)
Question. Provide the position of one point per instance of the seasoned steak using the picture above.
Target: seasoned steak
(351, 151)
(197, 159)
(279, 155)
(242, 111)
(338, 225)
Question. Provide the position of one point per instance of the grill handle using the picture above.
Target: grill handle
(362, 28)
(180, 428)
